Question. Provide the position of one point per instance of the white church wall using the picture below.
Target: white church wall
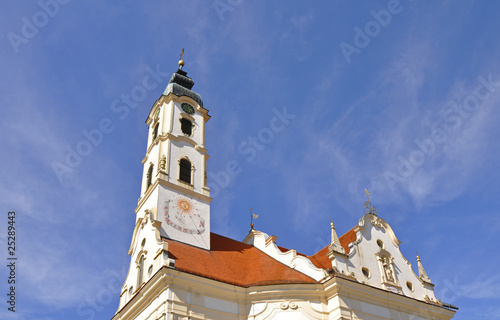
(178, 296)
(348, 299)
(283, 315)
(182, 149)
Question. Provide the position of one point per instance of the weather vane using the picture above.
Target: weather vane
(181, 62)
(369, 207)
(252, 216)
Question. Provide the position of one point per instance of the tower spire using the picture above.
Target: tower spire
(421, 271)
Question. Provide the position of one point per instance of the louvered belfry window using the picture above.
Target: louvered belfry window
(185, 170)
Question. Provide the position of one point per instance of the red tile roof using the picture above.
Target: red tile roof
(348, 238)
(233, 262)
(320, 258)
(244, 265)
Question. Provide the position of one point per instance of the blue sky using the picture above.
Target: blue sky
(399, 97)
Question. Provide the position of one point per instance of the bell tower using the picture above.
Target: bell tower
(174, 184)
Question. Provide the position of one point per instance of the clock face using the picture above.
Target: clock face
(181, 214)
(187, 108)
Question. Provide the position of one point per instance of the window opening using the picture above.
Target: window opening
(185, 170)
(409, 285)
(186, 126)
(380, 244)
(366, 272)
(155, 131)
(149, 176)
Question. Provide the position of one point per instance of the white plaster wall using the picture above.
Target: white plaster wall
(144, 230)
(375, 310)
(197, 134)
(150, 203)
(289, 315)
(182, 149)
(151, 158)
(166, 117)
(365, 310)
(221, 305)
(213, 300)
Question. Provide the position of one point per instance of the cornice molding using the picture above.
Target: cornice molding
(168, 136)
(172, 97)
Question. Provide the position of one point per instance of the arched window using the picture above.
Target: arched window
(185, 170)
(186, 126)
(149, 176)
(155, 131)
(140, 271)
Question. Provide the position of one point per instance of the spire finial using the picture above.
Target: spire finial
(181, 62)
(369, 207)
(421, 271)
(335, 242)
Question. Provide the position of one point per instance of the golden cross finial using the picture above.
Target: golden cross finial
(367, 194)
(331, 223)
(181, 62)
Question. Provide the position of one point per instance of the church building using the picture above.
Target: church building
(180, 270)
